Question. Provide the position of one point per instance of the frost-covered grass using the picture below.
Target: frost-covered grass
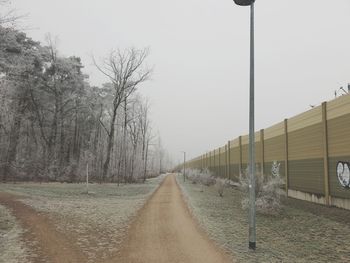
(301, 232)
(97, 222)
(12, 248)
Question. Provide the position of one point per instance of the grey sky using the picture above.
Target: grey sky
(200, 50)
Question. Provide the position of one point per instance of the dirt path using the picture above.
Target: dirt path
(164, 231)
(51, 246)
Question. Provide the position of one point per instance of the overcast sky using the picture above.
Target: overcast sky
(200, 52)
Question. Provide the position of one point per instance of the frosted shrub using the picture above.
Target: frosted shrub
(193, 175)
(203, 177)
(267, 191)
(220, 186)
(206, 178)
(269, 200)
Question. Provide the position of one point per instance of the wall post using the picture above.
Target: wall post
(240, 155)
(214, 164)
(286, 154)
(229, 160)
(209, 160)
(219, 163)
(202, 162)
(206, 161)
(226, 161)
(325, 152)
(262, 151)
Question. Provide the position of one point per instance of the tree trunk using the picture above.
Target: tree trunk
(109, 144)
(14, 137)
(145, 167)
(124, 139)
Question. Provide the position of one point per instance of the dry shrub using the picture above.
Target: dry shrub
(193, 175)
(206, 178)
(267, 191)
(203, 177)
(221, 184)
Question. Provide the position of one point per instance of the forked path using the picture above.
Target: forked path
(50, 245)
(164, 231)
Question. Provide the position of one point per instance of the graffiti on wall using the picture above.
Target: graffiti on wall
(343, 173)
(275, 169)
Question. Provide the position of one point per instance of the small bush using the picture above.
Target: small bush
(220, 185)
(193, 175)
(267, 191)
(206, 178)
(203, 177)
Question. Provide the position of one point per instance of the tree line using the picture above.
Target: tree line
(53, 123)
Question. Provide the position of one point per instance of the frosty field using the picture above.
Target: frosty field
(302, 232)
(12, 248)
(96, 222)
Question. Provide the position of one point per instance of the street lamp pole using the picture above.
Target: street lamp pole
(252, 210)
(252, 215)
(184, 169)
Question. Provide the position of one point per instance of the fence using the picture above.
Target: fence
(312, 150)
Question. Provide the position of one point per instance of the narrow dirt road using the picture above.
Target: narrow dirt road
(164, 231)
(51, 246)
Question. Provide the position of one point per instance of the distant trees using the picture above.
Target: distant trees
(52, 122)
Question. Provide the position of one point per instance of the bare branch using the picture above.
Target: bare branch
(102, 124)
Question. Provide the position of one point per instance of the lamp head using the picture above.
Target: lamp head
(244, 2)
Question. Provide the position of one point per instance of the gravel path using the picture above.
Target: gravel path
(164, 231)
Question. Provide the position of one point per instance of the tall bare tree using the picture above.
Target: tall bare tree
(146, 134)
(125, 69)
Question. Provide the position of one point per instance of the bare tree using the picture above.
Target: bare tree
(134, 132)
(125, 70)
(8, 15)
(146, 135)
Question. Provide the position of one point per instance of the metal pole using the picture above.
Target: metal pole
(184, 166)
(252, 223)
(87, 177)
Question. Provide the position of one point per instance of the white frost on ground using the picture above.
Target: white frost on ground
(302, 232)
(12, 248)
(98, 221)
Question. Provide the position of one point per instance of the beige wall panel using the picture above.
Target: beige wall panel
(222, 157)
(306, 175)
(338, 107)
(222, 162)
(305, 119)
(235, 157)
(339, 136)
(258, 156)
(216, 153)
(245, 140)
(234, 143)
(234, 169)
(222, 149)
(306, 143)
(274, 131)
(230, 156)
(257, 136)
(274, 149)
(245, 153)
